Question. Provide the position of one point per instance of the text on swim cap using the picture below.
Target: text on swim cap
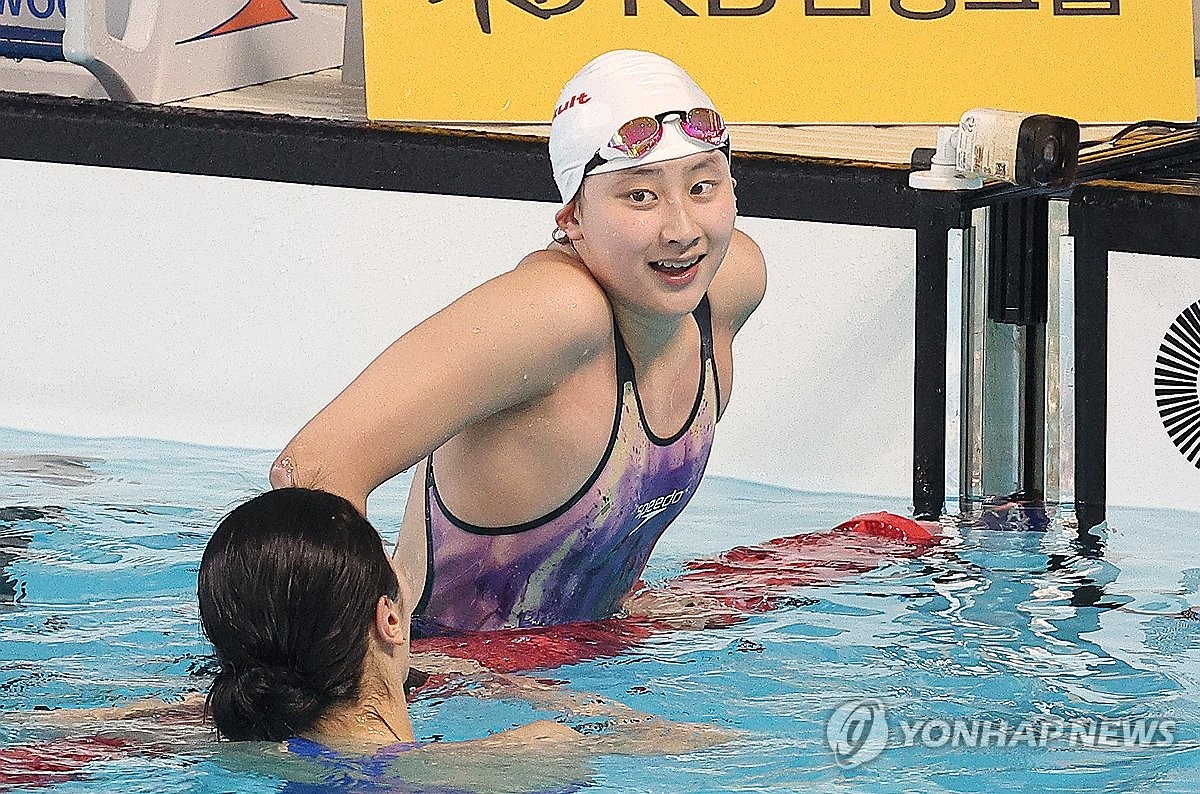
(579, 99)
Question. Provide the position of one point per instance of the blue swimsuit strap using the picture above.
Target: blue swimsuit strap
(307, 748)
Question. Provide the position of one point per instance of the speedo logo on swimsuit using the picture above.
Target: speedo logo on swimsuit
(648, 510)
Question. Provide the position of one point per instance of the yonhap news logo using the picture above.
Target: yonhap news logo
(859, 731)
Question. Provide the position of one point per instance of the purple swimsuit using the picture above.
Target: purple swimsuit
(577, 562)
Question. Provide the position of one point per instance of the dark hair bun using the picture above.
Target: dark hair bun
(288, 588)
(265, 703)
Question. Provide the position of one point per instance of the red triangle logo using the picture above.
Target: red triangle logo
(254, 14)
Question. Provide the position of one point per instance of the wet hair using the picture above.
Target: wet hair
(288, 587)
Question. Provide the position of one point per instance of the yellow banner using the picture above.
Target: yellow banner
(791, 61)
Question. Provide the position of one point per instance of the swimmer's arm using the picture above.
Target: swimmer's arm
(539, 757)
(739, 286)
(476, 679)
(509, 341)
(190, 706)
(536, 757)
(611, 726)
(623, 729)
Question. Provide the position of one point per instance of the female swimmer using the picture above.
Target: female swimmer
(310, 627)
(305, 614)
(560, 416)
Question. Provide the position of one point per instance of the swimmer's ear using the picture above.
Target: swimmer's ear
(567, 219)
(391, 621)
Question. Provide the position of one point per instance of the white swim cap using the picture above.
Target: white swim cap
(610, 90)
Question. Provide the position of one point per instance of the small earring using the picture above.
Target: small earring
(560, 236)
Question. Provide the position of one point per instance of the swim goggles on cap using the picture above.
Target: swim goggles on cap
(638, 136)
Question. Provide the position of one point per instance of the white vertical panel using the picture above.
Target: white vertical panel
(823, 394)
(1145, 295)
(218, 310)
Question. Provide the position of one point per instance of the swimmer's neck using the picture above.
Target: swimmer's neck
(647, 335)
(375, 720)
(354, 729)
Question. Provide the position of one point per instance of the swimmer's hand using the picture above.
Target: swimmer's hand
(438, 663)
(608, 726)
(679, 611)
(656, 736)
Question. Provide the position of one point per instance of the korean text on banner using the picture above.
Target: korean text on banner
(791, 61)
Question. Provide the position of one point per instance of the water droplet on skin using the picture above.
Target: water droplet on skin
(476, 329)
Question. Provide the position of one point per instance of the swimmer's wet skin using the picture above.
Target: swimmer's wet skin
(560, 416)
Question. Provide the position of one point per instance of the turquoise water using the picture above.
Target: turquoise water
(98, 560)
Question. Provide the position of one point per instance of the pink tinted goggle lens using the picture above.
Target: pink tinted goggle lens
(640, 135)
(704, 124)
(637, 136)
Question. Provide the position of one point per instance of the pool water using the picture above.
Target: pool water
(100, 542)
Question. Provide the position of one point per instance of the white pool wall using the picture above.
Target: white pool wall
(227, 312)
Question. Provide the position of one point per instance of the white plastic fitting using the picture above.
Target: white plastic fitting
(943, 175)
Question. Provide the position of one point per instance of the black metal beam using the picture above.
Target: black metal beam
(272, 147)
(414, 159)
(929, 366)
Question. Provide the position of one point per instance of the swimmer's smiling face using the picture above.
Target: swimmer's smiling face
(653, 236)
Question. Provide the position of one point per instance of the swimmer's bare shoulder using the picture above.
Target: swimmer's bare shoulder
(567, 286)
(537, 757)
(507, 342)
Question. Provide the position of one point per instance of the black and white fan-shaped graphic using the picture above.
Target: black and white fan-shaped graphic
(1177, 382)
